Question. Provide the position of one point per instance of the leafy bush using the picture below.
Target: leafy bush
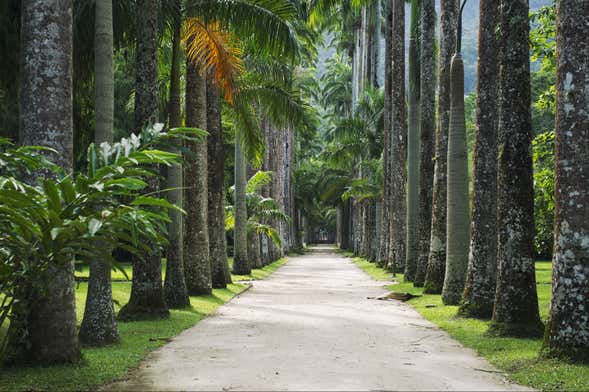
(543, 146)
(56, 217)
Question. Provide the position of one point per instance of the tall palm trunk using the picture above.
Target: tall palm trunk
(99, 325)
(43, 324)
(383, 252)
(458, 220)
(427, 130)
(216, 187)
(568, 328)
(197, 265)
(516, 299)
(241, 265)
(147, 294)
(436, 267)
(413, 148)
(398, 143)
(175, 282)
(479, 294)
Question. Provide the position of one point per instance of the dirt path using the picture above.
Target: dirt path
(310, 326)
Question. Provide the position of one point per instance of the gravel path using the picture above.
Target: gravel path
(310, 326)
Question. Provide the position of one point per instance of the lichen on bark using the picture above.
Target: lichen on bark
(567, 334)
(516, 300)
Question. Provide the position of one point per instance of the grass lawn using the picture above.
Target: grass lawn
(258, 274)
(103, 365)
(517, 357)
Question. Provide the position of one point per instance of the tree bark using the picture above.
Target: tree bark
(43, 325)
(175, 282)
(413, 149)
(516, 300)
(458, 219)
(479, 294)
(99, 325)
(216, 188)
(147, 294)
(568, 327)
(398, 144)
(241, 265)
(436, 267)
(383, 252)
(427, 130)
(197, 263)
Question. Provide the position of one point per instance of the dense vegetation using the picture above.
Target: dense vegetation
(147, 142)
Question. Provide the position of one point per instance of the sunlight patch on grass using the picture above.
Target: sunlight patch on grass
(519, 358)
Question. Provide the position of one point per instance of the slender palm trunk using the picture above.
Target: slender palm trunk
(427, 130)
(175, 281)
(147, 294)
(398, 144)
(384, 228)
(568, 327)
(436, 267)
(197, 264)
(43, 325)
(412, 253)
(216, 187)
(516, 300)
(241, 265)
(458, 220)
(99, 325)
(479, 294)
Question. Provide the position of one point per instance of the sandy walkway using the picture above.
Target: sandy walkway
(311, 327)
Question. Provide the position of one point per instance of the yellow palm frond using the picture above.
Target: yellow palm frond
(214, 50)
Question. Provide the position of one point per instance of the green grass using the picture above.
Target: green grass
(258, 274)
(519, 358)
(103, 365)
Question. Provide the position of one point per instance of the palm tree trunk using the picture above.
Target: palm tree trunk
(568, 327)
(43, 326)
(175, 282)
(516, 300)
(216, 187)
(99, 325)
(383, 251)
(458, 220)
(197, 264)
(479, 294)
(436, 267)
(413, 149)
(147, 294)
(427, 130)
(398, 144)
(241, 265)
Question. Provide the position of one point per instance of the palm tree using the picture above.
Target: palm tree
(43, 325)
(99, 325)
(241, 264)
(413, 147)
(568, 325)
(457, 228)
(175, 282)
(398, 144)
(427, 130)
(147, 294)
(197, 265)
(437, 255)
(479, 294)
(383, 252)
(216, 154)
(516, 300)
